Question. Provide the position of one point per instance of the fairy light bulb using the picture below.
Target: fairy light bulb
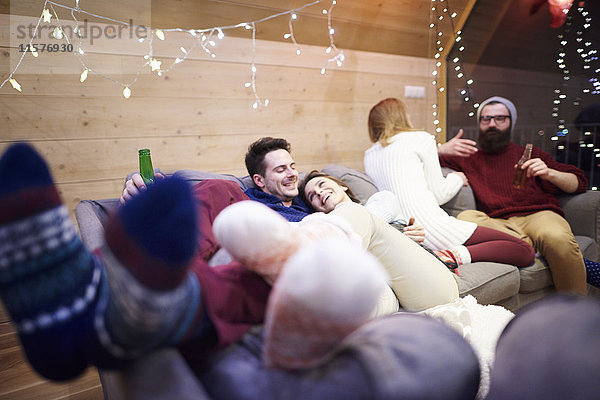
(57, 33)
(46, 15)
(127, 92)
(83, 76)
(159, 34)
(15, 84)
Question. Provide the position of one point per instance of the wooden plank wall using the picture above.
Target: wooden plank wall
(198, 116)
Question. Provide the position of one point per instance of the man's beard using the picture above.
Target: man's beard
(493, 140)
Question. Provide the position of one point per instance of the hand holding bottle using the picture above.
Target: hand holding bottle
(135, 185)
(139, 180)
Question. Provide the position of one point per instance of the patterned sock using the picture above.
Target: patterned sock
(149, 244)
(449, 258)
(458, 255)
(53, 288)
(592, 269)
(49, 283)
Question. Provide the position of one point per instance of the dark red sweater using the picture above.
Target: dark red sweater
(491, 177)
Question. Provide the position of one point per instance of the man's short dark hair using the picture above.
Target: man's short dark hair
(258, 150)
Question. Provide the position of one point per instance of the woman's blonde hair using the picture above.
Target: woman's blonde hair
(387, 118)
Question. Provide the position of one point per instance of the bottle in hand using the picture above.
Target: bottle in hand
(146, 170)
(521, 174)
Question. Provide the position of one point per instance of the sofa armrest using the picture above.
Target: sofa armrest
(582, 211)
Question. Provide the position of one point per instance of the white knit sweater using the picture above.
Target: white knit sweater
(409, 167)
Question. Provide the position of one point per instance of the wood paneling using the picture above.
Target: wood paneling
(199, 115)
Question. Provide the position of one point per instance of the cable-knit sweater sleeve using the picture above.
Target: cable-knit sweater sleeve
(552, 163)
(443, 188)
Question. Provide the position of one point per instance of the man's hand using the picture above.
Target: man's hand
(536, 167)
(458, 146)
(414, 232)
(135, 185)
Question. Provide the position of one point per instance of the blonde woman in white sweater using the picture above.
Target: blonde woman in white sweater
(404, 161)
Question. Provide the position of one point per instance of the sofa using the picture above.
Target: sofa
(489, 283)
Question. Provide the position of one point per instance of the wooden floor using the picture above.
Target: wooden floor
(19, 381)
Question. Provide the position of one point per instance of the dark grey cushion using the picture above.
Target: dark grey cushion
(403, 356)
(194, 176)
(488, 282)
(549, 351)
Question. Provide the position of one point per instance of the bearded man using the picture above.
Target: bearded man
(532, 212)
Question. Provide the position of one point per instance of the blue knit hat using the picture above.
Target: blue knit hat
(509, 104)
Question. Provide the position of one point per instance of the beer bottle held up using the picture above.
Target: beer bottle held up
(146, 170)
(521, 174)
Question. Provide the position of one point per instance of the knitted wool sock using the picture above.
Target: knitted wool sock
(264, 240)
(325, 292)
(149, 243)
(447, 260)
(592, 269)
(459, 255)
(53, 288)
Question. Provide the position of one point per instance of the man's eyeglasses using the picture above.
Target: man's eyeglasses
(497, 118)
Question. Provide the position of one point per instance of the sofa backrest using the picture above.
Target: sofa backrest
(359, 182)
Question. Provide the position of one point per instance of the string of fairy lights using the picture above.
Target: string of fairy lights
(439, 13)
(204, 39)
(581, 25)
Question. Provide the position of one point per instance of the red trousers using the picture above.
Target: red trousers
(233, 298)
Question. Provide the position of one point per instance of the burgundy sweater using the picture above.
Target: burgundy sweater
(491, 177)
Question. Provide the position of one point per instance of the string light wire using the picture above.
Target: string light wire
(204, 39)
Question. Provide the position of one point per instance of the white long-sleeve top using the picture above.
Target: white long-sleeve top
(409, 167)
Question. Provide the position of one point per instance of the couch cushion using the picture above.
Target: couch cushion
(359, 182)
(464, 200)
(535, 277)
(488, 282)
(402, 356)
(588, 247)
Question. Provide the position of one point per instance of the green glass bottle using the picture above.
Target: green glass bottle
(146, 169)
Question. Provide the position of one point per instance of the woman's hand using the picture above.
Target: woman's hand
(414, 231)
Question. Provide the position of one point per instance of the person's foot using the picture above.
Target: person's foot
(592, 270)
(262, 240)
(325, 292)
(56, 291)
